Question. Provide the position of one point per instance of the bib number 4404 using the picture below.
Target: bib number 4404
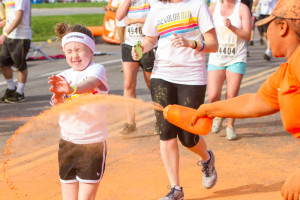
(230, 51)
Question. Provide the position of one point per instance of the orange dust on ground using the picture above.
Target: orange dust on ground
(253, 167)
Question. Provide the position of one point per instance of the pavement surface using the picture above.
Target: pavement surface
(253, 167)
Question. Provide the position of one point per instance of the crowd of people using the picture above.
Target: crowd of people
(175, 36)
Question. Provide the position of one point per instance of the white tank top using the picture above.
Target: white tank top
(232, 49)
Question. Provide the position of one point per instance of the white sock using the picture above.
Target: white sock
(11, 84)
(20, 88)
(177, 187)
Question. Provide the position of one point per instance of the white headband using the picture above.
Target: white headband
(78, 37)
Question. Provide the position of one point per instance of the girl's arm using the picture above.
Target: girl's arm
(245, 31)
(211, 8)
(87, 85)
(129, 21)
(122, 10)
(208, 45)
(244, 106)
(60, 87)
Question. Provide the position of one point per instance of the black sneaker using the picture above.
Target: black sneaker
(8, 93)
(174, 194)
(251, 43)
(15, 98)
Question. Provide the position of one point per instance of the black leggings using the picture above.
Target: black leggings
(166, 93)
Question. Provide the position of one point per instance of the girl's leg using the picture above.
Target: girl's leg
(233, 80)
(215, 81)
(130, 70)
(170, 156)
(164, 93)
(87, 191)
(147, 78)
(70, 191)
(193, 96)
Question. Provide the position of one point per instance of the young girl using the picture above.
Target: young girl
(82, 148)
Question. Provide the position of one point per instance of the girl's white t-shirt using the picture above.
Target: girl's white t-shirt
(23, 30)
(232, 49)
(88, 124)
(190, 19)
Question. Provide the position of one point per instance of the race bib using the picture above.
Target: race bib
(135, 30)
(226, 50)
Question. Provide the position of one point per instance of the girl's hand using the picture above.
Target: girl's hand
(179, 41)
(60, 85)
(227, 22)
(134, 54)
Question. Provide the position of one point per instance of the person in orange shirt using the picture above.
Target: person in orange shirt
(280, 92)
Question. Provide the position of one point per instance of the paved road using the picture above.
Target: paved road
(250, 168)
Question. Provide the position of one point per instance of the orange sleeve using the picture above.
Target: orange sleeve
(268, 91)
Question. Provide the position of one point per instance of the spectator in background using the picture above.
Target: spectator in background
(266, 7)
(255, 16)
(14, 46)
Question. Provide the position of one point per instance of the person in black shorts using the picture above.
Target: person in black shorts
(14, 46)
(134, 13)
(82, 147)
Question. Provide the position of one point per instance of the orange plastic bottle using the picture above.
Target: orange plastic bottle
(181, 116)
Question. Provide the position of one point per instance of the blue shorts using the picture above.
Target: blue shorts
(239, 67)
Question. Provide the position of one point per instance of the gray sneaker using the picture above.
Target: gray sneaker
(210, 176)
(230, 133)
(217, 124)
(174, 194)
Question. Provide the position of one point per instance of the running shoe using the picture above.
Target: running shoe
(174, 194)
(261, 41)
(217, 124)
(210, 176)
(268, 55)
(128, 128)
(15, 98)
(230, 133)
(8, 93)
(251, 43)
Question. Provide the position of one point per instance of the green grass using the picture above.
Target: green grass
(43, 26)
(69, 5)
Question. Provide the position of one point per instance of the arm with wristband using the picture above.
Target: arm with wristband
(208, 45)
(60, 87)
